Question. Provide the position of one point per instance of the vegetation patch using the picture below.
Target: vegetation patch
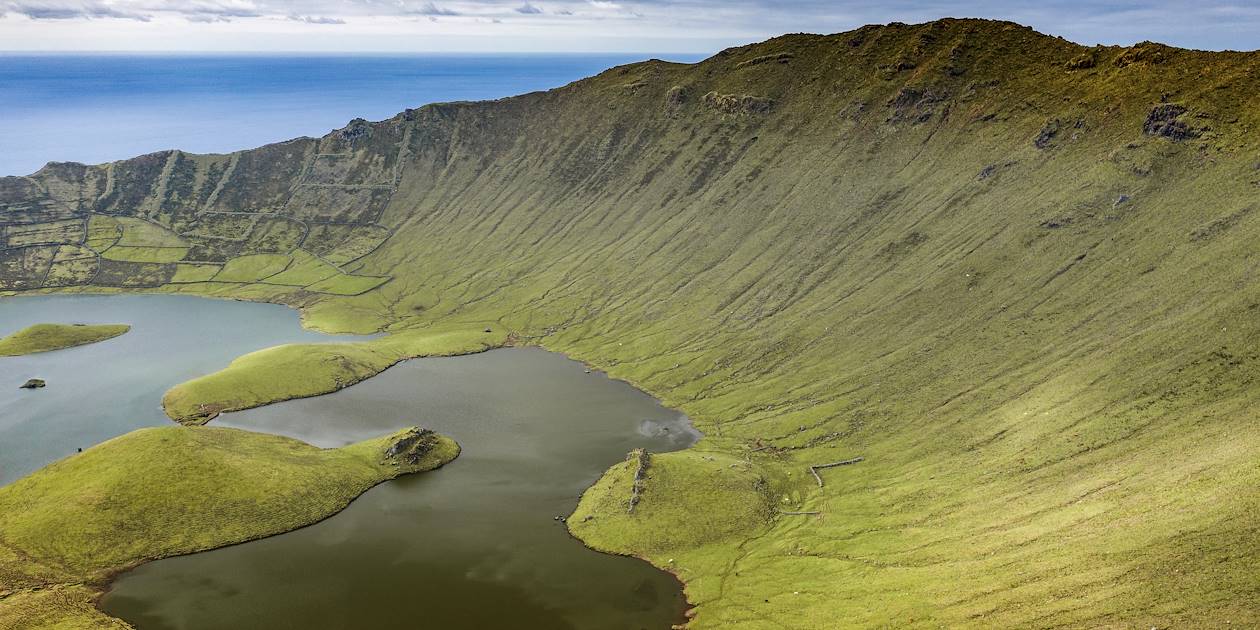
(103, 232)
(55, 232)
(47, 337)
(306, 270)
(253, 268)
(680, 500)
(782, 57)
(72, 265)
(346, 284)
(341, 243)
(145, 254)
(127, 274)
(141, 233)
(194, 272)
(278, 235)
(25, 267)
(302, 370)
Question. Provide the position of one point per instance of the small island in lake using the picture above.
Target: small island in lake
(48, 337)
(171, 491)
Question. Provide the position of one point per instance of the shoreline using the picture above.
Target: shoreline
(510, 340)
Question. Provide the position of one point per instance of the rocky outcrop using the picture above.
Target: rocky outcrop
(740, 104)
(916, 105)
(782, 57)
(1165, 121)
(411, 446)
(642, 459)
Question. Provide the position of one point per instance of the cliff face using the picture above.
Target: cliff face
(1014, 273)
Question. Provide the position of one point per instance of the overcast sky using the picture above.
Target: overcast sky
(649, 26)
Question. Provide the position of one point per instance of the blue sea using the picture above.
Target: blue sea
(98, 108)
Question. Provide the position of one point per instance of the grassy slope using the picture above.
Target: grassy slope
(302, 370)
(46, 337)
(1052, 417)
(949, 248)
(160, 492)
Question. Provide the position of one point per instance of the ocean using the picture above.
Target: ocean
(99, 108)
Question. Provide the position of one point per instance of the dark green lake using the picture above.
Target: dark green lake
(472, 545)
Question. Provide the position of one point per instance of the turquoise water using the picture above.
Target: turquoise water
(98, 108)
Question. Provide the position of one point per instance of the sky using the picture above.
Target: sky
(649, 26)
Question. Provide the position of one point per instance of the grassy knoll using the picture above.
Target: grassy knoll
(47, 337)
(302, 370)
(1016, 274)
(152, 493)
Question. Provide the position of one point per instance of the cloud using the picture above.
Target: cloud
(645, 25)
(69, 10)
(430, 8)
(208, 11)
(312, 19)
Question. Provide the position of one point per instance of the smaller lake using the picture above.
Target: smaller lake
(471, 545)
(103, 390)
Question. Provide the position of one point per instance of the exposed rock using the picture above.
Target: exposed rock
(901, 247)
(34, 383)
(412, 445)
(1083, 61)
(900, 65)
(1149, 53)
(914, 104)
(1047, 134)
(642, 460)
(358, 128)
(675, 98)
(906, 97)
(1221, 225)
(1165, 121)
(739, 103)
(783, 57)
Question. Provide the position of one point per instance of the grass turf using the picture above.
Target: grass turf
(303, 370)
(48, 337)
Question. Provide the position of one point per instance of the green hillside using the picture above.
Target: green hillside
(1014, 274)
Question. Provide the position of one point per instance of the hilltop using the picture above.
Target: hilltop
(1013, 273)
